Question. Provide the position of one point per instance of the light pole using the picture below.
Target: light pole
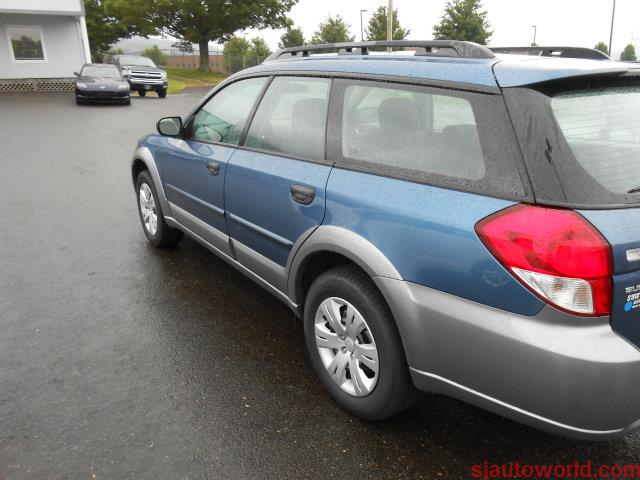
(389, 23)
(613, 15)
(535, 31)
(244, 48)
(361, 26)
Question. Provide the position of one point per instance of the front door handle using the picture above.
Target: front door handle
(213, 167)
(302, 194)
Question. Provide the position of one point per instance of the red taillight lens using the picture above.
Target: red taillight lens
(556, 253)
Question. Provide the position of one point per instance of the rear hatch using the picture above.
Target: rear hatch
(621, 228)
(581, 142)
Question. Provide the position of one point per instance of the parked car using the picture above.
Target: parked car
(101, 83)
(445, 218)
(142, 74)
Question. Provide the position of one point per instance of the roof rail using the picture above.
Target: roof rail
(441, 48)
(562, 52)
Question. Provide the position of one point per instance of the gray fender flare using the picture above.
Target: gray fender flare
(329, 238)
(144, 155)
(368, 257)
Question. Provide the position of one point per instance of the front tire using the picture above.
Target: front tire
(162, 93)
(355, 346)
(155, 228)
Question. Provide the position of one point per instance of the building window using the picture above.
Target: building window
(27, 44)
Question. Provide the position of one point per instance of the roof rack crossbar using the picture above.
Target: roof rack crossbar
(562, 52)
(446, 48)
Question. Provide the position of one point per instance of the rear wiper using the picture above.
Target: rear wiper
(634, 190)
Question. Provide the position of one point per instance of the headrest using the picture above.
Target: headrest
(398, 115)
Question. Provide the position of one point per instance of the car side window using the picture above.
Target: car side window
(418, 131)
(291, 118)
(223, 117)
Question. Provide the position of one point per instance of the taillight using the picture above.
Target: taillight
(555, 253)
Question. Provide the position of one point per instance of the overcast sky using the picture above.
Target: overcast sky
(560, 22)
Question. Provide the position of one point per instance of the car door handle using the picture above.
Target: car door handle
(213, 167)
(302, 194)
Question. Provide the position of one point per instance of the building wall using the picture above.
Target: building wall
(62, 38)
(216, 62)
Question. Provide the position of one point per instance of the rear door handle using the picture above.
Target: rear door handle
(213, 167)
(302, 194)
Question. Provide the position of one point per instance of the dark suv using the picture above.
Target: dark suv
(446, 217)
(142, 74)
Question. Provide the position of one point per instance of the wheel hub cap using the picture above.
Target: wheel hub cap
(148, 209)
(350, 344)
(346, 346)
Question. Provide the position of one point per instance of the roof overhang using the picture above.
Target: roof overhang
(42, 7)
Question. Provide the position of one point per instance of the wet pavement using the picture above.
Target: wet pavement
(121, 361)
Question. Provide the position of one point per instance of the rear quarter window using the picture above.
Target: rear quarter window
(446, 137)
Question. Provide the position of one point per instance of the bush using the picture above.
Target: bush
(155, 54)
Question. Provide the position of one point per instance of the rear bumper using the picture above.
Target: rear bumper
(568, 375)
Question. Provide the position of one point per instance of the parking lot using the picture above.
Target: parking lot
(121, 361)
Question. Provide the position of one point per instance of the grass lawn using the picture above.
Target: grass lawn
(180, 78)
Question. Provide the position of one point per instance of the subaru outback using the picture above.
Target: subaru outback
(443, 217)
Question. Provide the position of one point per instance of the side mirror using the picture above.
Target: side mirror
(169, 126)
(77, 74)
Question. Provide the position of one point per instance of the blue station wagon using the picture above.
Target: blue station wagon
(443, 217)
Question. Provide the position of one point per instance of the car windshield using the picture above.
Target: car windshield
(135, 61)
(100, 71)
(601, 127)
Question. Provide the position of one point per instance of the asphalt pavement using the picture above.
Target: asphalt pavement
(118, 360)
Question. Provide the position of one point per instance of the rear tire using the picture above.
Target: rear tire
(382, 386)
(142, 93)
(155, 228)
(162, 93)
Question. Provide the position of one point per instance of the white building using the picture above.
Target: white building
(42, 42)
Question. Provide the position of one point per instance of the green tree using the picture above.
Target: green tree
(293, 37)
(628, 54)
(463, 20)
(258, 50)
(105, 27)
(204, 21)
(183, 46)
(234, 51)
(602, 47)
(377, 28)
(155, 54)
(332, 30)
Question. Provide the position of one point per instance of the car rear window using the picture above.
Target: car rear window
(602, 128)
